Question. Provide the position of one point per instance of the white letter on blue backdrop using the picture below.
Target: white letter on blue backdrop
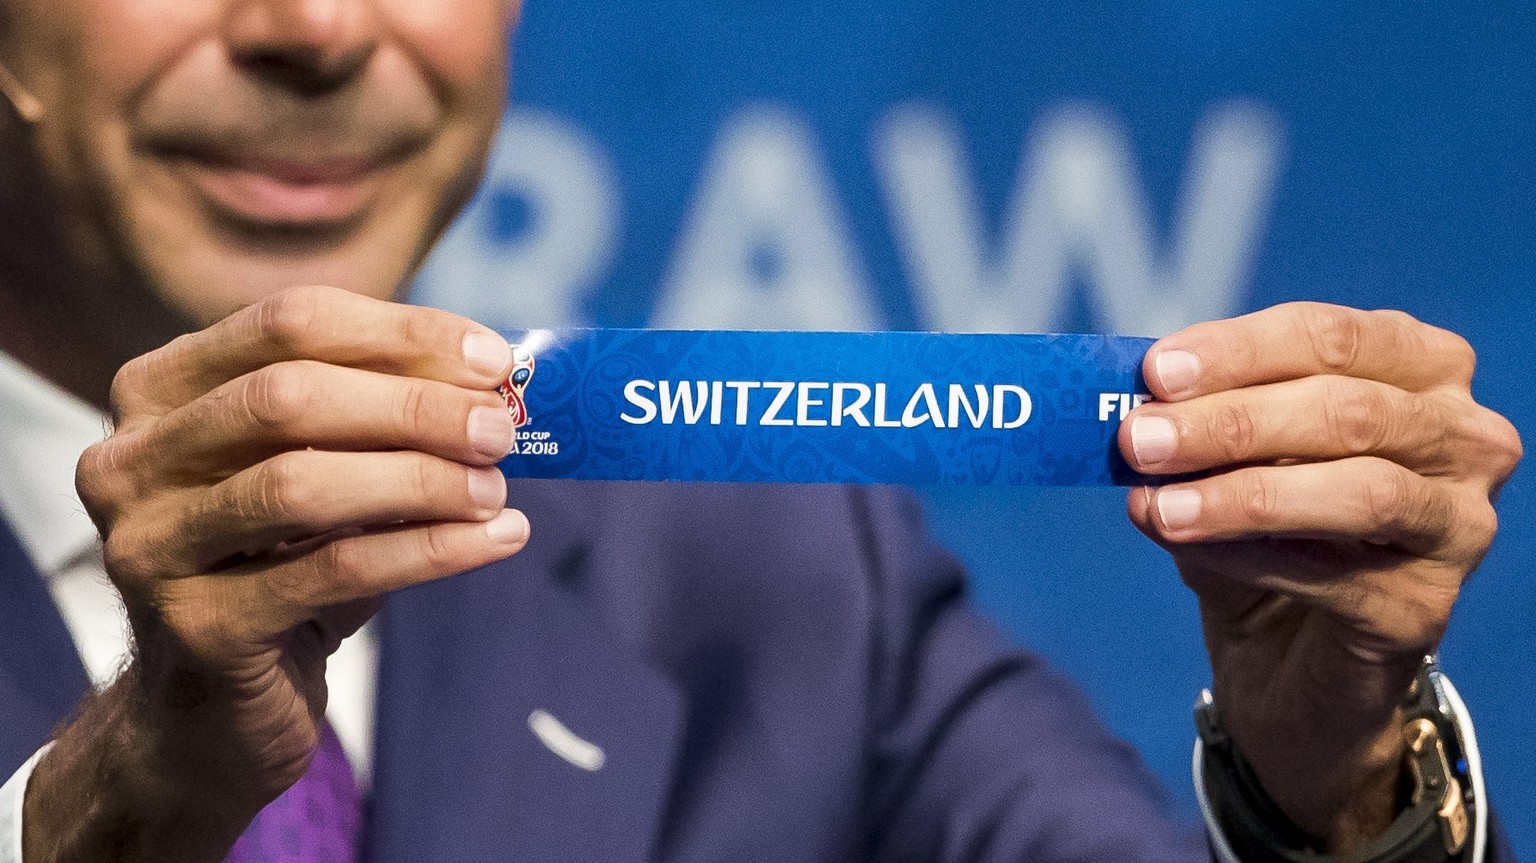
(1078, 207)
(541, 276)
(765, 246)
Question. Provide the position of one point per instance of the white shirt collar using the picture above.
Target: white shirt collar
(43, 431)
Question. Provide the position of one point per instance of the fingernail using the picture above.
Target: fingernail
(1177, 371)
(487, 353)
(491, 431)
(1152, 440)
(509, 528)
(487, 488)
(1178, 507)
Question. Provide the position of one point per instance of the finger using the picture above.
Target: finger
(275, 599)
(318, 323)
(1297, 340)
(1366, 500)
(1318, 418)
(302, 494)
(300, 404)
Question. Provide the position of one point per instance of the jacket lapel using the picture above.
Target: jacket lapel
(41, 677)
(514, 724)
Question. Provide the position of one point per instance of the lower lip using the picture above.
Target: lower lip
(264, 199)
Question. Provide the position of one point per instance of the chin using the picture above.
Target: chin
(210, 274)
(211, 286)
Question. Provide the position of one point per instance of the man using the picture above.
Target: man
(706, 673)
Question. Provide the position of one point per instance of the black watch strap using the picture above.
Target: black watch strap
(1434, 826)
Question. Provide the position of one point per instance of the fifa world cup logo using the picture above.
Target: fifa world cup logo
(516, 384)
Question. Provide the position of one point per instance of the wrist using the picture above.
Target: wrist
(124, 783)
(1327, 747)
(215, 720)
(1341, 792)
(1440, 815)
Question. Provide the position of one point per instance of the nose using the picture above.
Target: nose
(309, 46)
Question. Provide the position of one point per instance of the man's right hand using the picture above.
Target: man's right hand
(267, 481)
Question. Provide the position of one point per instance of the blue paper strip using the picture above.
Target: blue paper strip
(900, 408)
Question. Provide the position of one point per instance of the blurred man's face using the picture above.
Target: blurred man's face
(229, 148)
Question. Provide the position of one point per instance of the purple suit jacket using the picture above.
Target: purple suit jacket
(781, 674)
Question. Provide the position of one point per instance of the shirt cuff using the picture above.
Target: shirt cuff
(1221, 849)
(13, 795)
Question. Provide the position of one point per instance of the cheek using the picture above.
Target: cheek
(461, 44)
(123, 46)
(105, 55)
(88, 61)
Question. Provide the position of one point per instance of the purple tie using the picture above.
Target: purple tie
(315, 821)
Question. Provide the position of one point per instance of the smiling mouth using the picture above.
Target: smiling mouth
(283, 193)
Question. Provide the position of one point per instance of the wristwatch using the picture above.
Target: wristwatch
(1442, 819)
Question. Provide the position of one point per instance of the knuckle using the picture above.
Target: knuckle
(436, 551)
(1258, 497)
(431, 332)
(1438, 516)
(287, 318)
(128, 379)
(93, 483)
(417, 411)
(1460, 356)
(1355, 417)
(1436, 423)
(1398, 317)
(344, 571)
(294, 584)
(318, 578)
(131, 557)
(99, 478)
(1482, 525)
(1396, 504)
(1336, 335)
(420, 330)
(1503, 445)
(424, 479)
(277, 396)
(1232, 431)
(1387, 497)
(1405, 335)
(128, 383)
(279, 491)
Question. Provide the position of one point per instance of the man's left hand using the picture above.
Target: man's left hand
(1343, 492)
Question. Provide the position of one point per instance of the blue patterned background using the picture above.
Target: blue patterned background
(1027, 166)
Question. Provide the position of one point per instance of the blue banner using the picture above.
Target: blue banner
(906, 408)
